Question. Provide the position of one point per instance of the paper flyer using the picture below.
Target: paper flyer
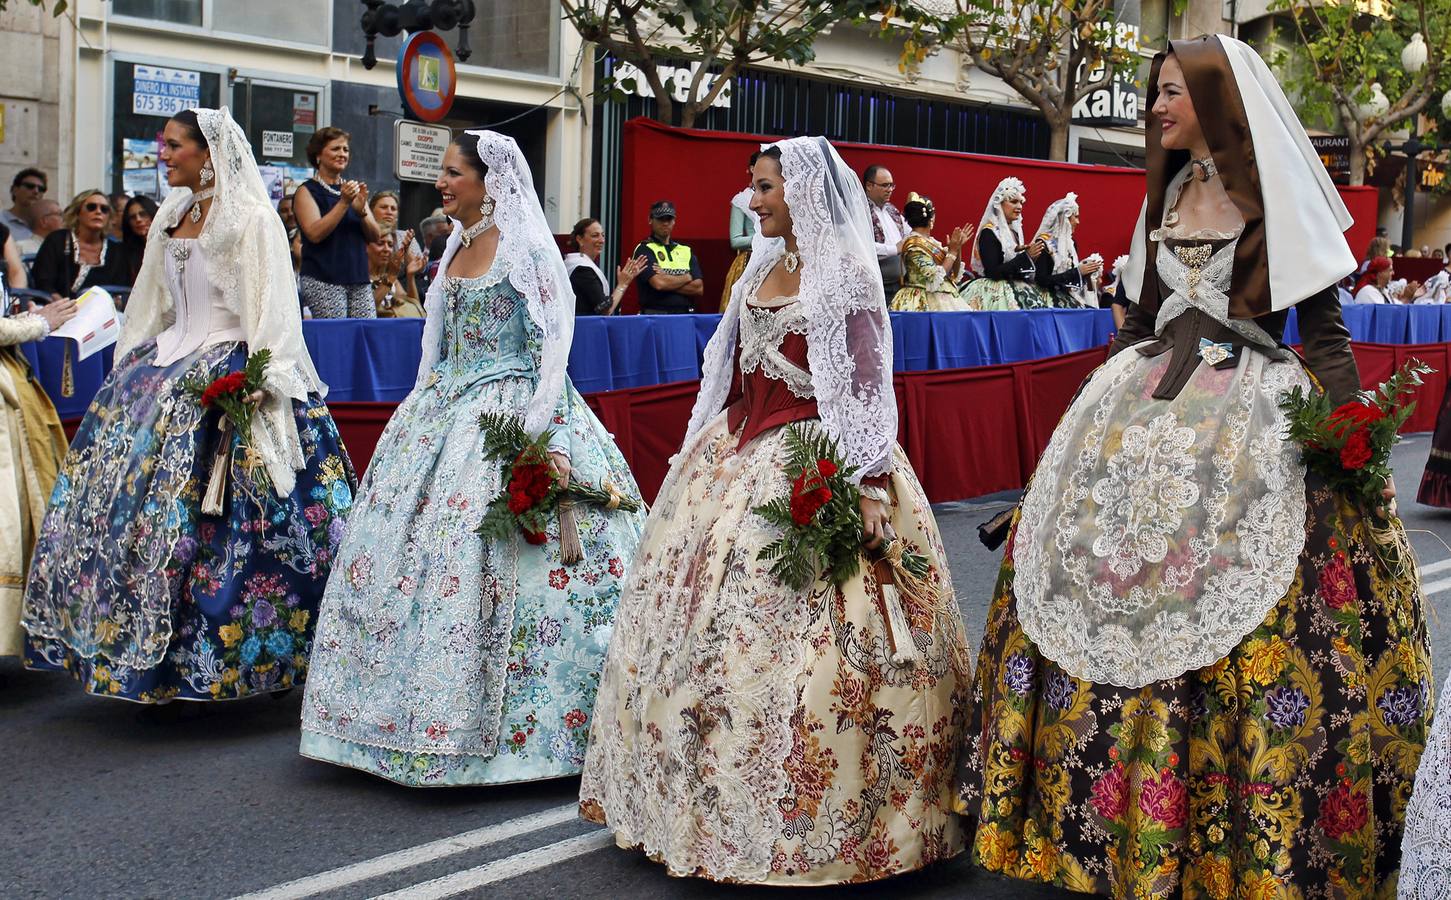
(96, 326)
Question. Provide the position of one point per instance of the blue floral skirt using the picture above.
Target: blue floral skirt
(142, 597)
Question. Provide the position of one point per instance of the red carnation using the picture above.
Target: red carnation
(826, 467)
(535, 537)
(1355, 415)
(226, 384)
(1356, 452)
(519, 502)
(805, 506)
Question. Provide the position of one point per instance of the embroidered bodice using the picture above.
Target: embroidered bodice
(202, 317)
(487, 331)
(775, 378)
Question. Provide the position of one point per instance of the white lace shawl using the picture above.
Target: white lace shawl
(1060, 233)
(1009, 235)
(535, 269)
(848, 337)
(573, 261)
(249, 264)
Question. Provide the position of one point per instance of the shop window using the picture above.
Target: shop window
(182, 12)
(145, 97)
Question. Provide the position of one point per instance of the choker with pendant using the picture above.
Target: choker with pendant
(195, 213)
(1204, 169)
(473, 231)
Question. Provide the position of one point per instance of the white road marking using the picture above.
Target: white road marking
(1435, 567)
(504, 869)
(1435, 587)
(407, 858)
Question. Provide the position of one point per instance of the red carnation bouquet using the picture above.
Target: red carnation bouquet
(236, 394)
(532, 492)
(1350, 446)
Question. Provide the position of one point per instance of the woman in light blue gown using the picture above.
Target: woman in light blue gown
(443, 658)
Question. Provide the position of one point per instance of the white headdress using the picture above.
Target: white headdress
(248, 262)
(848, 337)
(1009, 235)
(1304, 217)
(1060, 232)
(535, 268)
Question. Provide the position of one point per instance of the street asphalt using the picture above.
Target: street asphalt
(106, 799)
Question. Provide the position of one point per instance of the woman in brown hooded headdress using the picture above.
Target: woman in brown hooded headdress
(1195, 681)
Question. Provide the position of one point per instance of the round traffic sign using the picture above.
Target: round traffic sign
(426, 77)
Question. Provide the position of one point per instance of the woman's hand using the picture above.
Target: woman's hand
(1388, 509)
(559, 463)
(1037, 248)
(629, 271)
(415, 264)
(958, 239)
(360, 199)
(875, 526)
(1091, 267)
(57, 312)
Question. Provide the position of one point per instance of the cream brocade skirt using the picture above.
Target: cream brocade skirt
(747, 732)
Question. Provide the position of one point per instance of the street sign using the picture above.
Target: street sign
(426, 77)
(418, 150)
(157, 91)
(1334, 151)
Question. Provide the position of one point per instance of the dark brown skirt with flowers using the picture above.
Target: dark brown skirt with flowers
(1436, 483)
(1281, 771)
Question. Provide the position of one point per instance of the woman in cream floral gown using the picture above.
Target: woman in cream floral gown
(746, 731)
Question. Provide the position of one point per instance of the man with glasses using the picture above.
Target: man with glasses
(889, 229)
(28, 186)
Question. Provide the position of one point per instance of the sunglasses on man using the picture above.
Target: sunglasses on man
(32, 186)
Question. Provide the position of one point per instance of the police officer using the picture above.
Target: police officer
(671, 281)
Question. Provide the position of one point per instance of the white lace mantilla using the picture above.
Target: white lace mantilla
(763, 327)
(1156, 534)
(1426, 846)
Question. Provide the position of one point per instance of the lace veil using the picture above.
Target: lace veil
(848, 337)
(1060, 232)
(1008, 188)
(249, 264)
(537, 271)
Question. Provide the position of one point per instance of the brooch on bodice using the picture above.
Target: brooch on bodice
(1194, 258)
(1214, 353)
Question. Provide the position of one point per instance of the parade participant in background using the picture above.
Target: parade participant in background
(671, 280)
(444, 657)
(1426, 846)
(336, 226)
(930, 271)
(889, 227)
(1005, 263)
(136, 224)
(1220, 686)
(32, 444)
(1066, 279)
(1114, 292)
(742, 231)
(80, 255)
(593, 295)
(747, 731)
(157, 577)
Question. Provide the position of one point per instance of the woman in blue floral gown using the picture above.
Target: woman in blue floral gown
(134, 589)
(443, 658)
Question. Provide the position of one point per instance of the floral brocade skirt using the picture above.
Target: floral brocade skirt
(917, 299)
(442, 658)
(992, 294)
(1282, 770)
(747, 732)
(142, 597)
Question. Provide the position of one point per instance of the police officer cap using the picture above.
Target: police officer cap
(663, 209)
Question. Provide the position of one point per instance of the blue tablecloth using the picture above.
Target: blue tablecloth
(378, 360)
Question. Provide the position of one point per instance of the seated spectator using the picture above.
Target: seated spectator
(592, 293)
(393, 297)
(26, 188)
(115, 228)
(48, 217)
(286, 213)
(671, 280)
(139, 213)
(1374, 285)
(930, 271)
(80, 255)
(12, 273)
(1005, 263)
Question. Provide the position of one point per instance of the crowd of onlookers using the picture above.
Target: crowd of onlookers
(353, 259)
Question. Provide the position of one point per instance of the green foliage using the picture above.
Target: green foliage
(58, 8)
(1323, 432)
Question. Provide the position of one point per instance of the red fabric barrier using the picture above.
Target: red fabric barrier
(661, 162)
(1416, 268)
(968, 432)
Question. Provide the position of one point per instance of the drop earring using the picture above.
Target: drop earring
(207, 174)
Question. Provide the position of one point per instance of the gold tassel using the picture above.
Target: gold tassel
(570, 549)
(221, 464)
(67, 374)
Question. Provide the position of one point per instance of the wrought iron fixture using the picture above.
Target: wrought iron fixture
(391, 19)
